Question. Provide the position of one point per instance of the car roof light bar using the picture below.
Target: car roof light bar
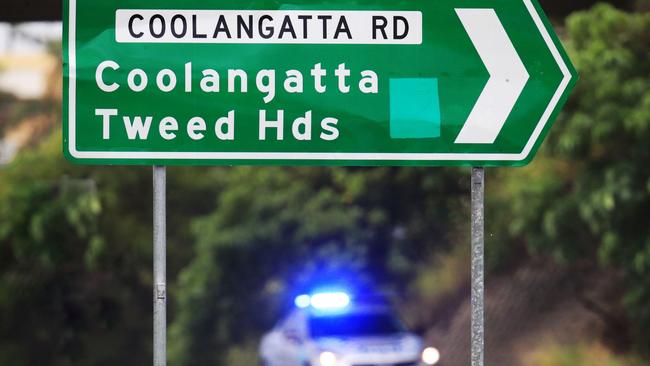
(324, 301)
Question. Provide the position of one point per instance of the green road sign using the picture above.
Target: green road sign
(342, 82)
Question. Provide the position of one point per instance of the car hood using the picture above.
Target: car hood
(399, 343)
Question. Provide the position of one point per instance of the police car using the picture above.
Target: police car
(333, 329)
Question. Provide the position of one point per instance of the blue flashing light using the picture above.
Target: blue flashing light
(303, 301)
(323, 301)
(330, 300)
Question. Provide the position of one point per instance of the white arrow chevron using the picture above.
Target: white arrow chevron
(508, 76)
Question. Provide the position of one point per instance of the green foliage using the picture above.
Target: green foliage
(577, 355)
(243, 355)
(14, 110)
(445, 274)
(586, 199)
(59, 291)
(75, 258)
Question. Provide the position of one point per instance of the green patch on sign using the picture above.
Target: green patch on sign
(414, 108)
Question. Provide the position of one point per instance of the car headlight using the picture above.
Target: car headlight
(327, 359)
(430, 356)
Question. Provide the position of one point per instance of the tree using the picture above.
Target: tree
(586, 199)
(75, 257)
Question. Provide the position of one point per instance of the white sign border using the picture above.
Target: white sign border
(139, 155)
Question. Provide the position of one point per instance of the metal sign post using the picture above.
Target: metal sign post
(159, 266)
(478, 279)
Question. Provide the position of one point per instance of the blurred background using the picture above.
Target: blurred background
(567, 238)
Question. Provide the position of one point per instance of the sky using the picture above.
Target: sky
(19, 44)
(29, 38)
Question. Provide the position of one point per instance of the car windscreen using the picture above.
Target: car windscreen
(354, 325)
